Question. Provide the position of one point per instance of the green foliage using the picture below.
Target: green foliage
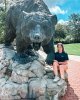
(74, 26)
(2, 25)
(70, 32)
(60, 32)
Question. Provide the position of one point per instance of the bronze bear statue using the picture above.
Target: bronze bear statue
(32, 24)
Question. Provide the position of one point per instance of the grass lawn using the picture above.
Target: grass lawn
(72, 49)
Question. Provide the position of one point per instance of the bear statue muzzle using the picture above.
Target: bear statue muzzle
(37, 42)
(37, 37)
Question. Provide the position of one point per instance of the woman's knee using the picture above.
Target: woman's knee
(63, 67)
(55, 63)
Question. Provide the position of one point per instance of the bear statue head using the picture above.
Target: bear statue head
(37, 27)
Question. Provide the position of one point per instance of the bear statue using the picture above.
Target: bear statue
(31, 24)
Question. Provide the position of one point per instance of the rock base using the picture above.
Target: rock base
(30, 81)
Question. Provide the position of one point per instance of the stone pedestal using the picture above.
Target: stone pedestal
(30, 81)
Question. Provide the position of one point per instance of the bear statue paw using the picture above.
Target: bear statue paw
(24, 58)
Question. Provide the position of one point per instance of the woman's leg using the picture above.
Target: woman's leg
(55, 68)
(63, 69)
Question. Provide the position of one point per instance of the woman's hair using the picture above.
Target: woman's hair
(61, 46)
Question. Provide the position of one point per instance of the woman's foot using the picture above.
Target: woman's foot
(56, 79)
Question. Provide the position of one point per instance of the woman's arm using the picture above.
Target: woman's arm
(63, 63)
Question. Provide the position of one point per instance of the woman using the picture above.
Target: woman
(60, 63)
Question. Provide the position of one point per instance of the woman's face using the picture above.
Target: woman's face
(59, 48)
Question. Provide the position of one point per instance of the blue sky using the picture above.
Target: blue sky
(63, 8)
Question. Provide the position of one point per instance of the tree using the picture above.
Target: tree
(74, 26)
(60, 32)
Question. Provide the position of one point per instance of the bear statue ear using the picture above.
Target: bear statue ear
(54, 19)
(25, 13)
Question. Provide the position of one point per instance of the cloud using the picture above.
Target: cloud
(63, 22)
(54, 2)
(57, 10)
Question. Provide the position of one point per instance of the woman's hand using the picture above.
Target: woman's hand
(60, 63)
(63, 63)
(55, 61)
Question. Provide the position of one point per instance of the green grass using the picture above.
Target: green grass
(72, 49)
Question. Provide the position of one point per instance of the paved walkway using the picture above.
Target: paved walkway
(74, 58)
(73, 91)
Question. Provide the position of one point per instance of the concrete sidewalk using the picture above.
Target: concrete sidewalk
(74, 58)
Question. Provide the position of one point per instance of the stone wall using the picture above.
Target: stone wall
(30, 81)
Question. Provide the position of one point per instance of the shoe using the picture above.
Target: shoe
(61, 81)
(66, 80)
(56, 79)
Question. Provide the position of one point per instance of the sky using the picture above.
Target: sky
(63, 8)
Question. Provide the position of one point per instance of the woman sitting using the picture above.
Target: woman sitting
(60, 64)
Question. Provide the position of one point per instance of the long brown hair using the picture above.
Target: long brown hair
(61, 46)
